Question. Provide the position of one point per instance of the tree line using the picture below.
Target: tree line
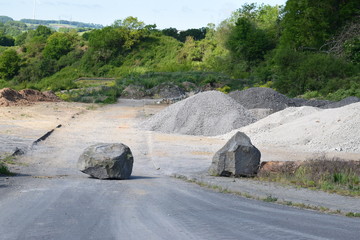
(305, 47)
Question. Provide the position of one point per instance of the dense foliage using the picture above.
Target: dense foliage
(309, 48)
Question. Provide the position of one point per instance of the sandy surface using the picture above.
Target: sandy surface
(165, 154)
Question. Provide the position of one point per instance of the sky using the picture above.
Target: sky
(180, 14)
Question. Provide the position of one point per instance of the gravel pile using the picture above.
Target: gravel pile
(309, 129)
(209, 113)
(267, 98)
(262, 98)
(344, 102)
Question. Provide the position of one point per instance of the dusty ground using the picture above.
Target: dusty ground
(169, 154)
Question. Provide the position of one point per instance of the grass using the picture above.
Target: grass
(4, 170)
(329, 175)
(4, 161)
(270, 198)
(98, 94)
(352, 214)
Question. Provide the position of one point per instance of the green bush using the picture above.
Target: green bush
(298, 72)
(4, 170)
(152, 79)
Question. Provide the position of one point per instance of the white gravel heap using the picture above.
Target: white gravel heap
(309, 129)
(209, 114)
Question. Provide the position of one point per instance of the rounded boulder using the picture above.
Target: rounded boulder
(107, 161)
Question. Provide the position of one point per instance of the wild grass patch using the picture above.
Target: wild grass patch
(4, 161)
(330, 175)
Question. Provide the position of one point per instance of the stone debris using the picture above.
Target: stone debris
(208, 113)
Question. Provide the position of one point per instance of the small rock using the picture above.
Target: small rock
(107, 161)
(237, 158)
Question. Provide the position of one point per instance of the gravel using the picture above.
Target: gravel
(344, 102)
(209, 113)
(262, 98)
(267, 98)
(309, 129)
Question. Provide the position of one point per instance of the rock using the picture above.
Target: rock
(107, 161)
(190, 87)
(237, 158)
(134, 91)
(166, 90)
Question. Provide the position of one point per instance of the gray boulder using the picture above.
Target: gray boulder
(107, 161)
(237, 158)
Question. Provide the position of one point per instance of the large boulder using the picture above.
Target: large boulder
(237, 158)
(107, 161)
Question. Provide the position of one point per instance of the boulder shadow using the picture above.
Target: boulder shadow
(141, 177)
(131, 178)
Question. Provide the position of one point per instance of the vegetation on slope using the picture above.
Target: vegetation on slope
(303, 48)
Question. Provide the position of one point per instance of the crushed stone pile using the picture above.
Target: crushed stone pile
(309, 129)
(258, 97)
(342, 103)
(10, 97)
(208, 113)
(267, 98)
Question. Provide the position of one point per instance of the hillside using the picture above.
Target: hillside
(257, 46)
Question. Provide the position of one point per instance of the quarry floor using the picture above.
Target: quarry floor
(49, 196)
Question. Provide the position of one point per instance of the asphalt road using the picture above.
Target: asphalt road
(152, 207)
(52, 200)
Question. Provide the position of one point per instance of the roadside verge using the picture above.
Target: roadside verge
(278, 193)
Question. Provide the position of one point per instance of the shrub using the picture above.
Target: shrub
(298, 72)
(4, 170)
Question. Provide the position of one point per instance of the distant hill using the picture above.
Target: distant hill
(5, 19)
(62, 22)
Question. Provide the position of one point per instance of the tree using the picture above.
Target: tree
(36, 40)
(9, 64)
(58, 45)
(131, 23)
(171, 32)
(309, 24)
(196, 34)
(42, 31)
(6, 41)
(247, 42)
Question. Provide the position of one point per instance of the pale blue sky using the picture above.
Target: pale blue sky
(181, 14)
